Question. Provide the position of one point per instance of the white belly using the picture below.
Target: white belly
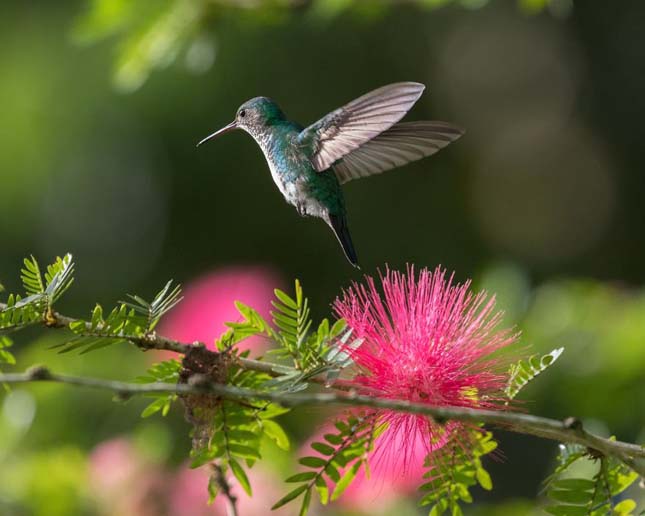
(296, 192)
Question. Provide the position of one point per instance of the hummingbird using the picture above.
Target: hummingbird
(359, 139)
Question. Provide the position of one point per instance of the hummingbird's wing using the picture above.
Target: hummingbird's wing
(347, 128)
(400, 144)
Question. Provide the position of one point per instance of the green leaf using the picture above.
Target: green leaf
(285, 299)
(463, 494)
(302, 477)
(342, 427)
(272, 410)
(484, 479)
(567, 510)
(578, 484)
(291, 312)
(202, 457)
(213, 489)
(437, 510)
(289, 496)
(323, 448)
(345, 480)
(58, 278)
(243, 436)
(32, 279)
(523, 372)
(587, 496)
(245, 452)
(312, 462)
(304, 508)
(338, 328)
(241, 477)
(619, 476)
(97, 319)
(6, 357)
(625, 507)
(154, 407)
(286, 323)
(333, 439)
(275, 432)
(452, 476)
(165, 300)
(332, 472)
(322, 489)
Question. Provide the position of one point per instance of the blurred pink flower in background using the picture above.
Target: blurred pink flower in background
(209, 303)
(123, 482)
(189, 496)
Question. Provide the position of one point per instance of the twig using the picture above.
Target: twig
(569, 430)
(225, 488)
(55, 320)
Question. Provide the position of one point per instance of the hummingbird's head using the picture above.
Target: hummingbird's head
(254, 117)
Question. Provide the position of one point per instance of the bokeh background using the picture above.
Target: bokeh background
(541, 202)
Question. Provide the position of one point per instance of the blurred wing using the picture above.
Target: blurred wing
(401, 144)
(344, 130)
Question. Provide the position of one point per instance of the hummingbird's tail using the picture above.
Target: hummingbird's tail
(339, 224)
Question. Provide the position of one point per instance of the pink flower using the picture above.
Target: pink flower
(426, 340)
(123, 482)
(209, 303)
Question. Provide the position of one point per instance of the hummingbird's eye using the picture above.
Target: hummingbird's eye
(242, 113)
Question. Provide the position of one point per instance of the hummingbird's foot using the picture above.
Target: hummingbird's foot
(302, 211)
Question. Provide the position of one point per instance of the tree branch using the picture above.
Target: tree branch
(569, 430)
(153, 340)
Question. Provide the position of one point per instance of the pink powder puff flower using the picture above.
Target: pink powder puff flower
(425, 340)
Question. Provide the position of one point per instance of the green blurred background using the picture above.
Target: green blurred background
(541, 201)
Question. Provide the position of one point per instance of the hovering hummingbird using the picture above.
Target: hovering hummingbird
(357, 140)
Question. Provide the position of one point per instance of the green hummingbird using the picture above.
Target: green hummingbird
(357, 140)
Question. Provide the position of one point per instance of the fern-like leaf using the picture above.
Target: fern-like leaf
(339, 459)
(41, 293)
(524, 372)
(127, 321)
(120, 324)
(312, 352)
(589, 496)
(165, 372)
(58, 278)
(291, 317)
(6, 357)
(32, 279)
(165, 300)
(20, 312)
(455, 472)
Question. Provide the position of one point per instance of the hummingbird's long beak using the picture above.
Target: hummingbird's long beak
(225, 129)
